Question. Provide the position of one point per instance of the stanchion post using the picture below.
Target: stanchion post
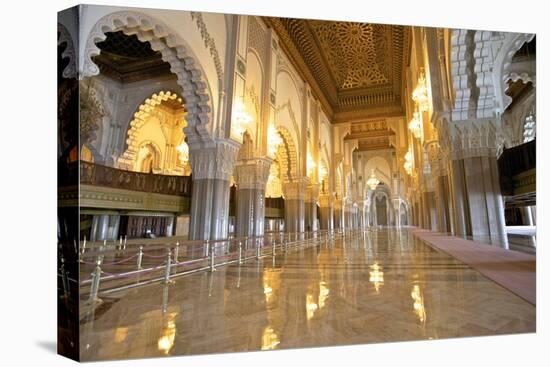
(258, 251)
(96, 277)
(240, 252)
(177, 253)
(64, 279)
(125, 239)
(167, 267)
(140, 258)
(212, 259)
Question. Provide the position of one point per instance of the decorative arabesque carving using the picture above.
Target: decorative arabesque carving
(292, 115)
(173, 50)
(215, 161)
(69, 52)
(209, 43)
(474, 139)
(463, 74)
(91, 114)
(253, 174)
(257, 39)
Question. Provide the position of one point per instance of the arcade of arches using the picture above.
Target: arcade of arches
(206, 126)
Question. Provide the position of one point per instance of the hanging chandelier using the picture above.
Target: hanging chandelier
(372, 182)
(420, 93)
(183, 150)
(273, 140)
(241, 118)
(310, 165)
(408, 162)
(415, 125)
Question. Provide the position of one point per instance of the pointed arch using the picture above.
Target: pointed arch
(173, 50)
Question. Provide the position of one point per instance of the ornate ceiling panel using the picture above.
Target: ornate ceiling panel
(356, 52)
(355, 69)
(375, 143)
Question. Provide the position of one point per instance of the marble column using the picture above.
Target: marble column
(478, 205)
(326, 220)
(458, 195)
(430, 214)
(337, 214)
(294, 193)
(212, 165)
(526, 217)
(310, 207)
(438, 164)
(251, 176)
(100, 227)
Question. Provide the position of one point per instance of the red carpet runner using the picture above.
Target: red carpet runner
(513, 270)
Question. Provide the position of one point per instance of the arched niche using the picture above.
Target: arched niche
(174, 50)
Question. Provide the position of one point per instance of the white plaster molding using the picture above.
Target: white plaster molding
(462, 73)
(69, 52)
(503, 65)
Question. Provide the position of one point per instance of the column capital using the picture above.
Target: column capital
(295, 189)
(472, 138)
(312, 192)
(252, 173)
(215, 160)
(326, 200)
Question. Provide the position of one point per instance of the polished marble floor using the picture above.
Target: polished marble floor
(380, 286)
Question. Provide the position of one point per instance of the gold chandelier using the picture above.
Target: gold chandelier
(183, 150)
(420, 93)
(273, 140)
(415, 125)
(408, 162)
(310, 165)
(372, 182)
(241, 118)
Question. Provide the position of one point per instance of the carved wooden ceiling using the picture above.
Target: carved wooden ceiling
(355, 69)
(127, 59)
(371, 135)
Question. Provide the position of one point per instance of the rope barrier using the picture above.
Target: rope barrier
(211, 253)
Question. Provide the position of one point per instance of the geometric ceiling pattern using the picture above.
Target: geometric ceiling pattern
(355, 69)
(356, 52)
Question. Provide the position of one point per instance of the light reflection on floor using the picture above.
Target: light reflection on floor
(380, 286)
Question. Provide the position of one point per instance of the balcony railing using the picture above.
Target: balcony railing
(99, 175)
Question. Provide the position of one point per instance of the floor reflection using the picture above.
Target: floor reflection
(379, 286)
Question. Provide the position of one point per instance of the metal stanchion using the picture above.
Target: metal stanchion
(258, 251)
(125, 238)
(177, 253)
(96, 277)
(64, 279)
(140, 258)
(212, 259)
(273, 248)
(167, 268)
(240, 252)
